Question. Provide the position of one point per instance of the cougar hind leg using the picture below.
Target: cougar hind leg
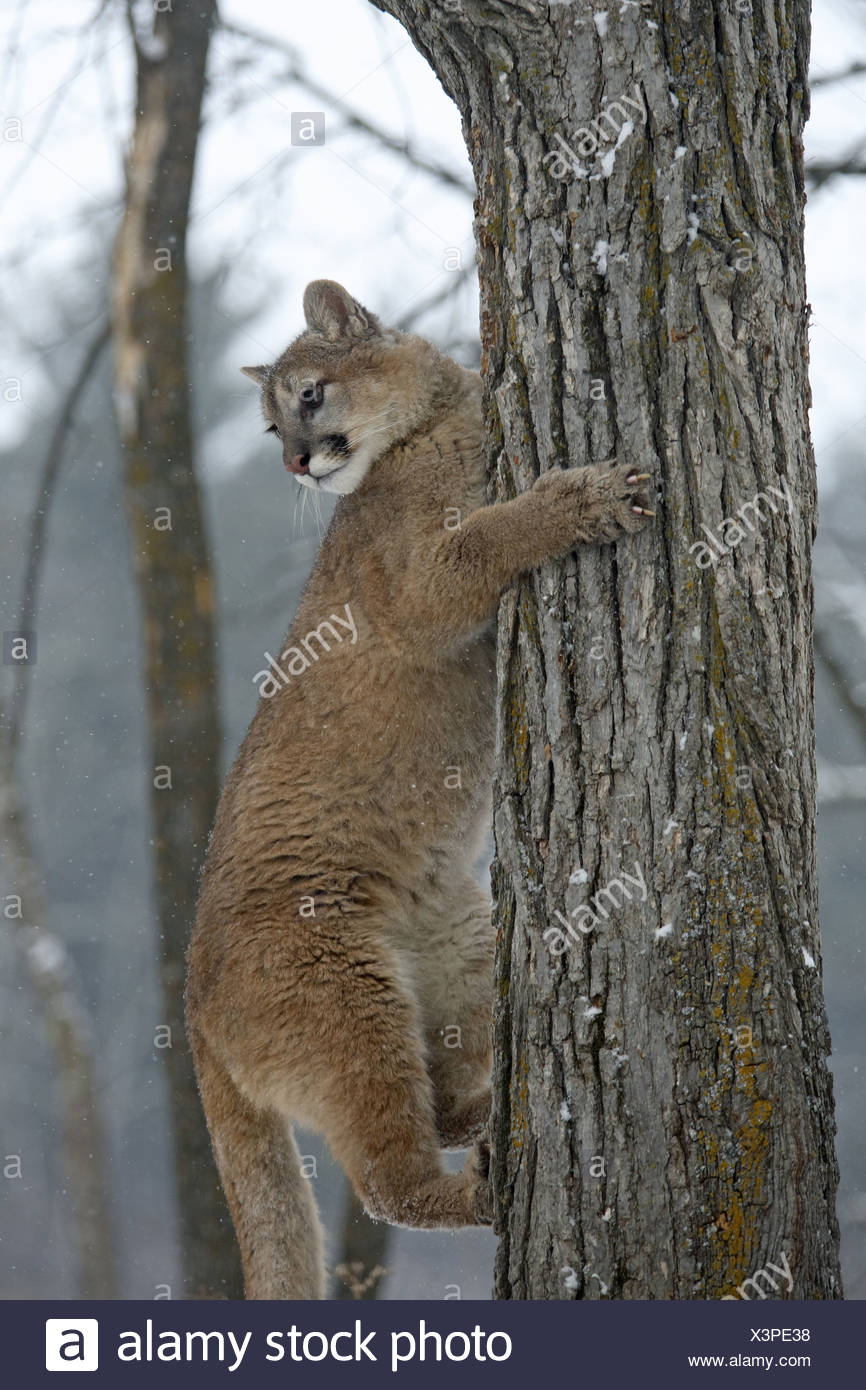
(334, 1040)
(380, 1120)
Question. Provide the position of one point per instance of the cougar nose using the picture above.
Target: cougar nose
(299, 464)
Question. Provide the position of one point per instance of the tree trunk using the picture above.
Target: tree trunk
(663, 1119)
(173, 573)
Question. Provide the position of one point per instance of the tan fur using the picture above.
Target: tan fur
(363, 788)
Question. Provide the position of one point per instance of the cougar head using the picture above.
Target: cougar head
(345, 391)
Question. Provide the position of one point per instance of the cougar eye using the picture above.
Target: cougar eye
(272, 429)
(312, 393)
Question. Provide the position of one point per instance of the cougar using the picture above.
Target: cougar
(340, 968)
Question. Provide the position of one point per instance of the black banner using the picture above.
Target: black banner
(203, 1344)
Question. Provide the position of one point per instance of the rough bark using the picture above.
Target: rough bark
(172, 569)
(663, 1120)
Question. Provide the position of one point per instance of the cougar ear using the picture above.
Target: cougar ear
(257, 374)
(332, 312)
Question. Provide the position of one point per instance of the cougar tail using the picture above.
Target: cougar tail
(271, 1202)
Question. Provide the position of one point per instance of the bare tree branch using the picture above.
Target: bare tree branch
(435, 300)
(351, 118)
(824, 79)
(820, 172)
(55, 100)
(49, 472)
(838, 784)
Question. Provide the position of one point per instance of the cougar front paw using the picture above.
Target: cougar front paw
(609, 498)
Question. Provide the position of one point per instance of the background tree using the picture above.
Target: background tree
(172, 568)
(663, 1118)
(69, 1031)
